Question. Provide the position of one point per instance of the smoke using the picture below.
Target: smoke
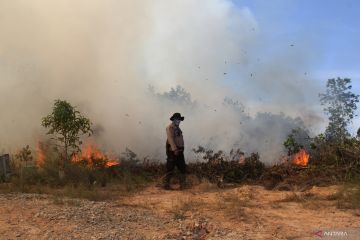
(103, 56)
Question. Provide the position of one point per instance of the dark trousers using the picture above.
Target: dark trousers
(172, 162)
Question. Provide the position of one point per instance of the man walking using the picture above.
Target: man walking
(175, 151)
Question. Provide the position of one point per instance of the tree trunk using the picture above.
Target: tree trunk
(63, 162)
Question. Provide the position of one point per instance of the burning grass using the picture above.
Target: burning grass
(93, 158)
(91, 170)
(90, 174)
(301, 158)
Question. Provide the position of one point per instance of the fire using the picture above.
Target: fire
(91, 154)
(301, 158)
(40, 154)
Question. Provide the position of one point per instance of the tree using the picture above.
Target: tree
(176, 95)
(66, 124)
(340, 105)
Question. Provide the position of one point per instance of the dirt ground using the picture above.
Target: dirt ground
(204, 212)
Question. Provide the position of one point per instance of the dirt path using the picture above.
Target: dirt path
(247, 212)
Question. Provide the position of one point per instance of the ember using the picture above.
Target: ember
(301, 158)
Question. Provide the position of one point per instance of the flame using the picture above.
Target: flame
(301, 158)
(90, 154)
(40, 154)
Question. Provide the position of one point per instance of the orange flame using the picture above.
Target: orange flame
(90, 154)
(40, 154)
(301, 158)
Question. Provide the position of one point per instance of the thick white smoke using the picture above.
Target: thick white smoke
(102, 56)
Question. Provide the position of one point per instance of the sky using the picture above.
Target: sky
(335, 23)
(333, 27)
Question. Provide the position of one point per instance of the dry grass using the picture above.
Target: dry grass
(334, 196)
(234, 205)
(94, 193)
(313, 204)
(133, 205)
(276, 205)
(348, 197)
(299, 198)
(183, 208)
(206, 186)
(57, 200)
(308, 200)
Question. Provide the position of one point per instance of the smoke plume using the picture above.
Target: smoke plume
(118, 60)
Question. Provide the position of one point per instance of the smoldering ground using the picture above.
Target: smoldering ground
(103, 56)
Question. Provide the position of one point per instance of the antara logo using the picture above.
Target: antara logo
(318, 233)
(322, 234)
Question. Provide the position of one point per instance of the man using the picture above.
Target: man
(175, 151)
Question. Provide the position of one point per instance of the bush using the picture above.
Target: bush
(341, 159)
(220, 167)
